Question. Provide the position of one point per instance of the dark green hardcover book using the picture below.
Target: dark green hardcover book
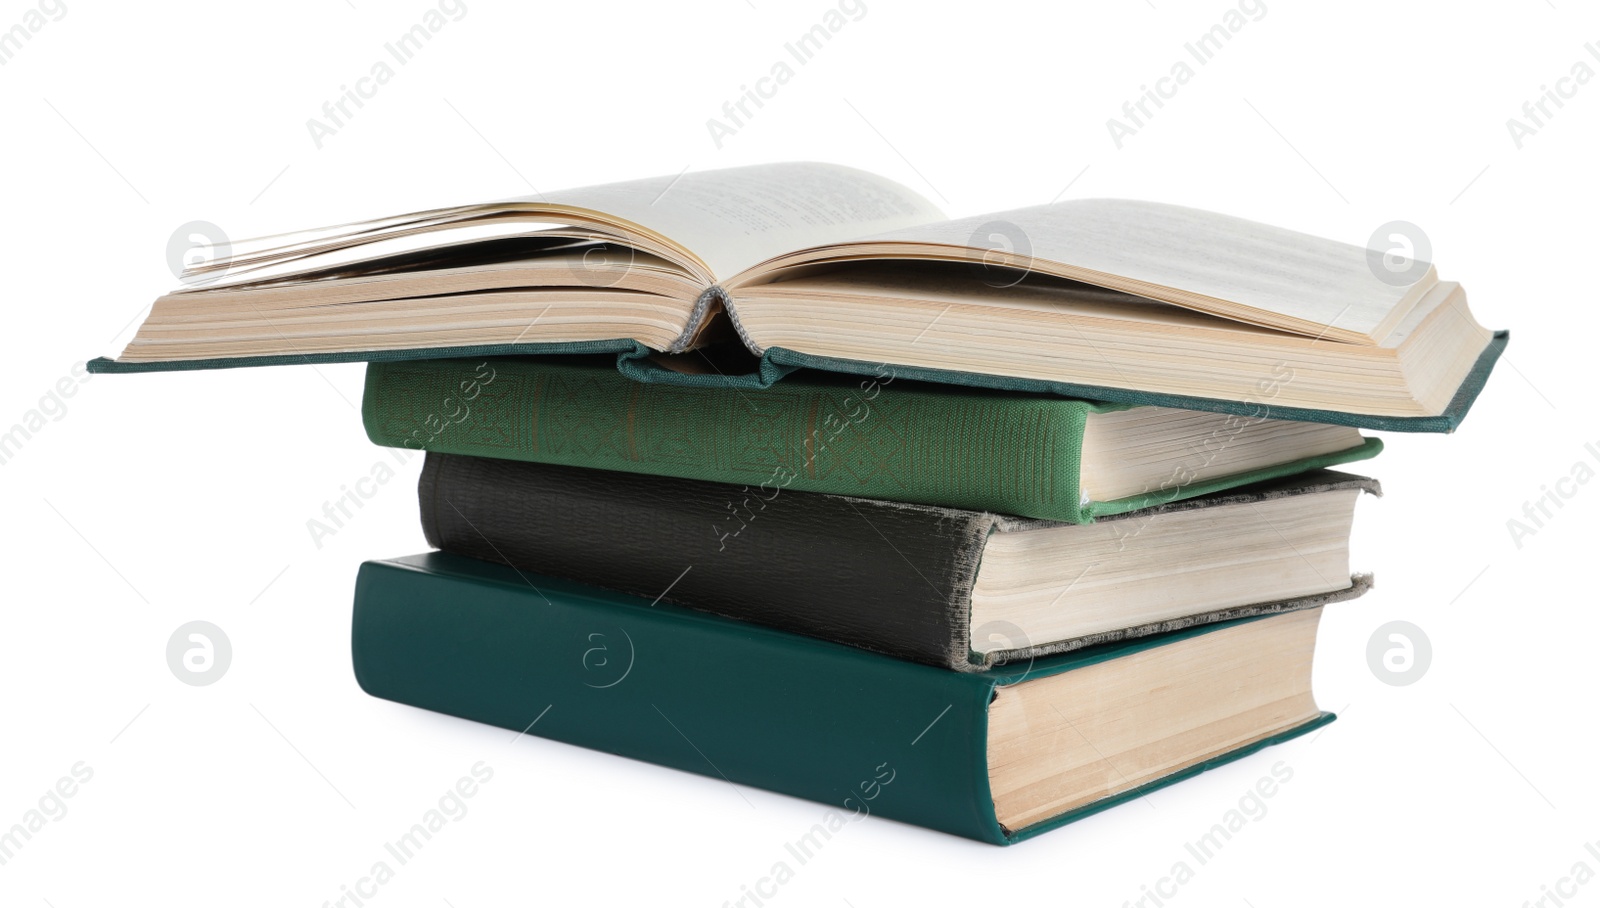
(997, 757)
(875, 437)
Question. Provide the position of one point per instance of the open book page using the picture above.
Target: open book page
(735, 218)
(1256, 272)
(888, 280)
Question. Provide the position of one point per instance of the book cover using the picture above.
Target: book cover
(634, 360)
(752, 706)
(872, 437)
(891, 578)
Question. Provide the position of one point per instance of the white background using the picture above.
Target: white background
(158, 499)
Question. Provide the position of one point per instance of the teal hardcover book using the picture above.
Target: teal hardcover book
(989, 757)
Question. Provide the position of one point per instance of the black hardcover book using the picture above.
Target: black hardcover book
(959, 589)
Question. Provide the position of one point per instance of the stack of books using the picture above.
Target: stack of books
(776, 475)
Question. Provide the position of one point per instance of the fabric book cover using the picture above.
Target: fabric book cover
(917, 582)
(866, 734)
(877, 437)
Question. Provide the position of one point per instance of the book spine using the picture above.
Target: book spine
(895, 579)
(858, 733)
(872, 436)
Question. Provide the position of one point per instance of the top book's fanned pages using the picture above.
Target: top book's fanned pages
(830, 267)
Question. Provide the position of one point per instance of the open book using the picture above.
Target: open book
(828, 267)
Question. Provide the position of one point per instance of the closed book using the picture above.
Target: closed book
(996, 757)
(879, 437)
(960, 589)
